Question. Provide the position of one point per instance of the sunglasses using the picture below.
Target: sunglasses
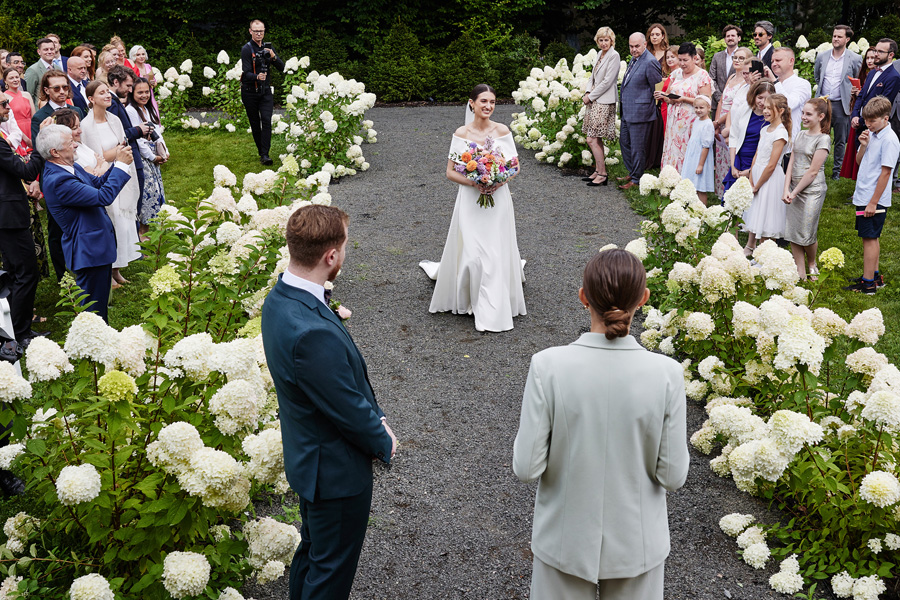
(759, 35)
(4, 104)
(57, 88)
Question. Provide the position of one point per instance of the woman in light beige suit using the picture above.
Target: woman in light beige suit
(600, 103)
(603, 428)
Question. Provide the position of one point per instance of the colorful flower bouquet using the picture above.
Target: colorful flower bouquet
(486, 166)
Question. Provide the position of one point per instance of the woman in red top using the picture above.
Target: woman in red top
(20, 103)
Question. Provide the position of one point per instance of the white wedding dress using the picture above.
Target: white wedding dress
(480, 271)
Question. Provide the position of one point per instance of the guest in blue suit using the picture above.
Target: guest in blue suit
(77, 72)
(76, 199)
(883, 80)
(331, 425)
(638, 107)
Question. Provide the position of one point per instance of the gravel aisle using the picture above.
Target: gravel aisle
(450, 520)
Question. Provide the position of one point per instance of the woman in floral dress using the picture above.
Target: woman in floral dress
(688, 82)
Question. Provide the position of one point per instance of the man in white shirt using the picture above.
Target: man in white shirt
(722, 65)
(831, 73)
(763, 32)
(796, 89)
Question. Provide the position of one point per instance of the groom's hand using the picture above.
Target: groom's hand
(393, 438)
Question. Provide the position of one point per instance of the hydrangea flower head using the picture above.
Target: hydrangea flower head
(116, 385)
(92, 586)
(77, 484)
(12, 385)
(880, 488)
(185, 574)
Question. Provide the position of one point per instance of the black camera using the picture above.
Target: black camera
(152, 135)
(262, 57)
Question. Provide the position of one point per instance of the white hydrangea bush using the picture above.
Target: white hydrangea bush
(802, 410)
(554, 112)
(146, 445)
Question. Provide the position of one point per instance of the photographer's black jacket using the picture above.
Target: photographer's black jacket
(251, 66)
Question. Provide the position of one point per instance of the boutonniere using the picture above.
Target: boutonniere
(343, 313)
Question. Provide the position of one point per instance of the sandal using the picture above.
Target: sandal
(36, 319)
(813, 274)
(748, 251)
(590, 177)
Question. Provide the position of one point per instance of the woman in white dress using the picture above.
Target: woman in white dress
(103, 133)
(765, 219)
(480, 271)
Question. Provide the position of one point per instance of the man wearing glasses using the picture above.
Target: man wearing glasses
(883, 80)
(763, 32)
(256, 91)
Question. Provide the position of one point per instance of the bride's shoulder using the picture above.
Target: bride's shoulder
(500, 130)
(461, 131)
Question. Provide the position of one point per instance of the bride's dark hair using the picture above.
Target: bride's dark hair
(614, 283)
(478, 90)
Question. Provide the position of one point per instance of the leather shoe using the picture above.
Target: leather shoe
(11, 351)
(264, 159)
(626, 178)
(10, 484)
(34, 334)
(628, 186)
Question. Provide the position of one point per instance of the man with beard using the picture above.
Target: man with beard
(332, 427)
(883, 80)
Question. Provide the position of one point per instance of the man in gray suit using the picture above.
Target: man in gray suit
(47, 51)
(831, 73)
(638, 108)
(722, 66)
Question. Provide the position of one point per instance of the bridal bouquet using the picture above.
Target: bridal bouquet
(485, 165)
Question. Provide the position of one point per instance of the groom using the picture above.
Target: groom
(331, 425)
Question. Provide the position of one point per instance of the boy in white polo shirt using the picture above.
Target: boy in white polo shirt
(879, 150)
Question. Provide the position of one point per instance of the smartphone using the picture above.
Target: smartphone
(758, 67)
(673, 96)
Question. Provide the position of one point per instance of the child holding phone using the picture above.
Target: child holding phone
(698, 164)
(877, 158)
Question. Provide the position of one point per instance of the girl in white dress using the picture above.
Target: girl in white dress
(766, 216)
(103, 133)
(480, 271)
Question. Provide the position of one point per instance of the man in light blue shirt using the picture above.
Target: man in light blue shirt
(879, 150)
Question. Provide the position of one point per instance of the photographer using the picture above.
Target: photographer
(257, 60)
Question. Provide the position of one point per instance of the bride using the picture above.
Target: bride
(480, 271)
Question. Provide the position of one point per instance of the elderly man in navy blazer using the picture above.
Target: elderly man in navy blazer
(638, 107)
(331, 425)
(77, 201)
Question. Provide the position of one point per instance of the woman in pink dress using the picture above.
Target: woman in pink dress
(20, 103)
(688, 82)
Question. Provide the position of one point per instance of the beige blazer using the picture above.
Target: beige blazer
(601, 87)
(603, 427)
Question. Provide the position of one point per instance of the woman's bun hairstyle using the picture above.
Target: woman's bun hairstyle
(614, 284)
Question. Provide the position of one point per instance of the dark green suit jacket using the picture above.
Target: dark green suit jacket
(330, 422)
(45, 112)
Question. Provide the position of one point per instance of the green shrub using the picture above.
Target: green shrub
(557, 50)
(461, 66)
(327, 52)
(887, 26)
(399, 68)
(522, 52)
